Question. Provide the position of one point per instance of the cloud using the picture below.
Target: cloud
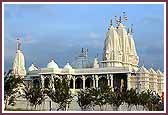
(94, 35)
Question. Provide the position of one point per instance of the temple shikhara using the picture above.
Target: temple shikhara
(118, 67)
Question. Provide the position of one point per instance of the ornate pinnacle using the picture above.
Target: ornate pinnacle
(120, 19)
(111, 22)
(18, 44)
(143, 63)
(131, 28)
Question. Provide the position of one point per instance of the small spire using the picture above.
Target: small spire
(97, 55)
(143, 63)
(131, 28)
(125, 17)
(18, 44)
(111, 23)
(120, 19)
(82, 50)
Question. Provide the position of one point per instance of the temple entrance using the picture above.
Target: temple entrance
(89, 82)
(46, 82)
(120, 82)
(78, 83)
(71, 83)
(103, 81)
(36, 83)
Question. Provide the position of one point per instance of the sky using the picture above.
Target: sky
(59, 31)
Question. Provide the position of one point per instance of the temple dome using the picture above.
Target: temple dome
(52, 64)
(32, 68)
(111, 44)
(142, 69)
(67, 66)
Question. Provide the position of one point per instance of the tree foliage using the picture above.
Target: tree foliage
(35, 95)
(61, 94)
(12, 88)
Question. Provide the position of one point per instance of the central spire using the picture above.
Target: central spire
(18, 44)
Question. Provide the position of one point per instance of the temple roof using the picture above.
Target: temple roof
(159, 73)
(152, 71)
(32, 67)
(52, 64)
(142, 69)
(67, 66)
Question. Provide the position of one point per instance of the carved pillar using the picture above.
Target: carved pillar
(52, 82)
(69, 79)
(42, 81)
(111, 78)
(93, 77)
(128, 81)
(108, 79)
(97, 79)
(74, 82)
(83, 77)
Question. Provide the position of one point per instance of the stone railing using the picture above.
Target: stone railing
(106, 70)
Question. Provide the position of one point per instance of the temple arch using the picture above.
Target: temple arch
(36, 83)
(103, 81)
(46, 82)
(89, 82)
(71, 83)
(78, 83)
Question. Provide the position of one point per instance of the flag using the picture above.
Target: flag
(125, 18)
(117, 20)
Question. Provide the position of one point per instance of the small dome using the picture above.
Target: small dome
(67, 66)
(142, 70)
(32, 67)
(52, 64)
(152, 71)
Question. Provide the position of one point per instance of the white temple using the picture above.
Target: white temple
(119, 63)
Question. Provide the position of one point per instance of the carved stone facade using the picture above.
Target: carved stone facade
(119, 67)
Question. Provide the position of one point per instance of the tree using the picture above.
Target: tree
(131, 98)
(102, 96)
(35, 95)
(154, 102)
(61, 94)
(116, 99)
(144, 98)
(12, 88)
(85, 99)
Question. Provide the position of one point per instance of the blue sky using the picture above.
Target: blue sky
(60, 31)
